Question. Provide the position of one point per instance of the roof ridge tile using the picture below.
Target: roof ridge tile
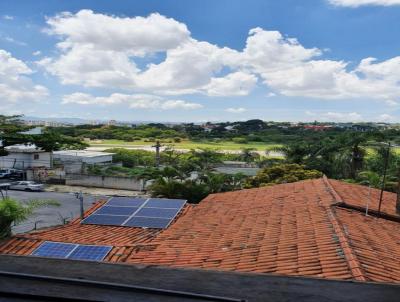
(351, 258)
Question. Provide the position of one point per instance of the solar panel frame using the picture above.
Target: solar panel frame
(157, 213)
(49, 249)
(90, 252)
(165, 203)
(99, 252)
(148, 222)
(111, 220)
(111, 213)
(129, 202)
(114, 210)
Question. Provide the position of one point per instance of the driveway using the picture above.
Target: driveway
(55, 215)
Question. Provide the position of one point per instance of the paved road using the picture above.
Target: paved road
(49, 216)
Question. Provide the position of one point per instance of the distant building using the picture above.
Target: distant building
(75, 160)
(33, 131)
(317, 127)
(26, 157)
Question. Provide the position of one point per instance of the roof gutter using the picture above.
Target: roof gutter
(119, 286)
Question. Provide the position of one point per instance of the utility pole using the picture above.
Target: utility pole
(384, 178)
(157, 146)
(80, 197)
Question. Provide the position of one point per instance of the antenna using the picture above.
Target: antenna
(384, 178)
(368, 200)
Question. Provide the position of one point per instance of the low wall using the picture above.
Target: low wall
(110, 182)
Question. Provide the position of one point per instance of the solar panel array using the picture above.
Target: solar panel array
(72, 251)
(137, 212)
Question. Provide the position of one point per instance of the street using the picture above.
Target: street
(52, 215)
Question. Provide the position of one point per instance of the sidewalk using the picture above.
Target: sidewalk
(92, 191)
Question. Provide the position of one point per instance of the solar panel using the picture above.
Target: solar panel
(165, 203)
(156, 212)
(54, 249)
(127, 211)
(148, 222)
(105, 219)
(72, 251)
(137, 212)
(90, 252)
(126, 202)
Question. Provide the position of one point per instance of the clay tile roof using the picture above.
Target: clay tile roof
(358, 195)
(297, 229)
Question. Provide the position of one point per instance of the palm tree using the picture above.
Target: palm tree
(12, 211)
(248, 155)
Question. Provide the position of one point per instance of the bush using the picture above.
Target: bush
(279, 174)
(11, 211)
(240, 140)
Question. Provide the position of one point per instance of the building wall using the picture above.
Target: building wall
(21, 160)
(122, 183)
(88, 160)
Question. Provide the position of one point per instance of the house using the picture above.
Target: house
(314, 228)
(25, 157)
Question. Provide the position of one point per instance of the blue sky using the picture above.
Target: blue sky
(288, 60)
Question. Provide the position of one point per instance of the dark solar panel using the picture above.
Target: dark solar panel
(105, 219)
(157, 212)
(147, 222)
(165, 203)
(127, 211)
(90, 252)
(137, 212)
(54, 249)
(126, 201)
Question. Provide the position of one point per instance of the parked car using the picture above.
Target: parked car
(5, 173)
(26, 186)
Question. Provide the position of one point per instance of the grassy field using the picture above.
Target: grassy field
(185, 144)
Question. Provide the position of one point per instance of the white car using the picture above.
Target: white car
(26, 186)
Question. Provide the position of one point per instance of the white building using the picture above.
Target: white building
(25, 157)
(74, 160)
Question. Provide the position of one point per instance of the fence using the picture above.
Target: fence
(110, 182)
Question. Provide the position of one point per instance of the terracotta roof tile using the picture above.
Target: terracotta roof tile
(358, 195)
(296, 229)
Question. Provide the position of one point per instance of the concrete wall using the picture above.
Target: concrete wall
(122, 183)
(20, 160)
(45, 175)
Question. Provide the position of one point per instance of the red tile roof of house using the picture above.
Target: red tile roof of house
(297, 229)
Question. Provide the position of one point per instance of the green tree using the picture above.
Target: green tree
(12, 211)
(249, 155)
(279, 174)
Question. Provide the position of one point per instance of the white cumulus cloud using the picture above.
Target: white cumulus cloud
(98, 50)
(15, 84)
(136, 101)
(332, 116)
(233, 84)
(236, 110)
(357, 3)
(387, 118)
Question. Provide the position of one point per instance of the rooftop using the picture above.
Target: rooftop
(313, 228)
(81, 153)
(22, 148)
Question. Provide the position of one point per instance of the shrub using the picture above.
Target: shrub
(279, 174)
(240, 140)
(12, 211)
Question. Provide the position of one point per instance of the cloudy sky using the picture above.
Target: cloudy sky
(208, 60)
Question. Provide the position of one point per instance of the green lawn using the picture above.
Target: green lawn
(224, 145)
